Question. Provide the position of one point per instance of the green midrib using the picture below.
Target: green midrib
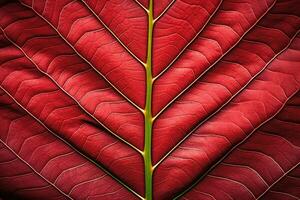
(148, 110)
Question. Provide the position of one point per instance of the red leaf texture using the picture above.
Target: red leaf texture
(150, 99)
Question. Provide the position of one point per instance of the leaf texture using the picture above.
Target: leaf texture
(150, 99)
(285, 188)
(253, 167)
(38, 160)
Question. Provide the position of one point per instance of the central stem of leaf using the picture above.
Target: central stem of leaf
(148, 110)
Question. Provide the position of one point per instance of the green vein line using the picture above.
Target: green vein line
(148, 110)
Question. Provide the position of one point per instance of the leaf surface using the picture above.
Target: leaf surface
(149, 99)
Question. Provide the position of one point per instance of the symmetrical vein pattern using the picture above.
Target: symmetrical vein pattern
(150, 99)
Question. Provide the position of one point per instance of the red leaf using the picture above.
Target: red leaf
(149, 99)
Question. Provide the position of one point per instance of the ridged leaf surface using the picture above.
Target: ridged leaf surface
(150, 99)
